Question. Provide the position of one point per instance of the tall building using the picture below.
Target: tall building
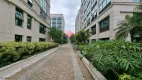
(57, 21)
(100, 17)
(24, 20)
(77, 22)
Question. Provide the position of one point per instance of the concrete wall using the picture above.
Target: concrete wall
(8, 29)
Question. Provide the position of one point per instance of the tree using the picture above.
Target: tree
(131, 27)
(138, 8)
(57, 35)
(124, 28)
(82, 37)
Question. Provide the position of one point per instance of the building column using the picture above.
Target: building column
(97, 31)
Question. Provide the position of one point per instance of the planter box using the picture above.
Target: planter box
(12, 69)
(96, 74)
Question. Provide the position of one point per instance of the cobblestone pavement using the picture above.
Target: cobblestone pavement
(60, 65)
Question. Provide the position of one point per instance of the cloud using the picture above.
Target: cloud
(67, 7)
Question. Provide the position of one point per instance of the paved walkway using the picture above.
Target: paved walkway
(60, 65)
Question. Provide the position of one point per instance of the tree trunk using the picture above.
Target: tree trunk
(129, 39)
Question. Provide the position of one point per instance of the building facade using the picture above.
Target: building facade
(57, 21)
(24, 20)
(77, 22)
(100, 17)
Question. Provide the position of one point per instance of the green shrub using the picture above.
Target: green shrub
(14, 51)
(117, 56)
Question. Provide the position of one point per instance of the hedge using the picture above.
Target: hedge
(13, 51)
(119, 59)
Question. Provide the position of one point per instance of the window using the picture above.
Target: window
(42, 39)
(94, 16)
(103, 4)
(54, 19)
(59, 18)
(137, 0)
(104, 39)
(59, 22)
(30, 3)
(53, 25)
(18, 38)
(43, 9)
(43, 14)
(42, 29)
(19, 17)
(88, 21)
(29, 38)
(93, 30)
(53, 22)
(29, 21)
(43, 5)
(59, 26)
(104, 25)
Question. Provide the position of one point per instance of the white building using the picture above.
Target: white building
(57, 21)
(24, 20)
(102, 16)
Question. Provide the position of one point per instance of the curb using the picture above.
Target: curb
(16, 67)
(78, 75)
(96, 74)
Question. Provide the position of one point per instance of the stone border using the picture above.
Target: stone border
(12, 69)
(76, 69)
(96, 74)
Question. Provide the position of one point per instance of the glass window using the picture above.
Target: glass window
(93, 30)
(53, 25)
(137, 0)
(19, 17)
(108, 1)
(18, 38)
(30, 3)
(103, 4)
(29, 21)
(104, 25)
(43, 9)
(53, 22)
(59, 18)
(29, 38)
(43, 5)
(42, 29)
(59, 22)
(42, 39)
(53, 18)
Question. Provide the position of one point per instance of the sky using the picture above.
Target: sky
(69, 8)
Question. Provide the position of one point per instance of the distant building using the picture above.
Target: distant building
(24, 20)
(100, 17)
(57, 21)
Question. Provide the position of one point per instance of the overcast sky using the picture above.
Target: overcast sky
(67, 7)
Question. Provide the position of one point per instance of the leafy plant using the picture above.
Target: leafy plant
(131, 27)
(81, 37)
(118, 57)
(57, 35)
(14, 51)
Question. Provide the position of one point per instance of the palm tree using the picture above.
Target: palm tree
(138, 8)
(131, 28)
(124, 28)
(82, 37)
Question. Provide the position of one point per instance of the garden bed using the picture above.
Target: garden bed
(96, 74)
(11, 52)
(115, 59)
